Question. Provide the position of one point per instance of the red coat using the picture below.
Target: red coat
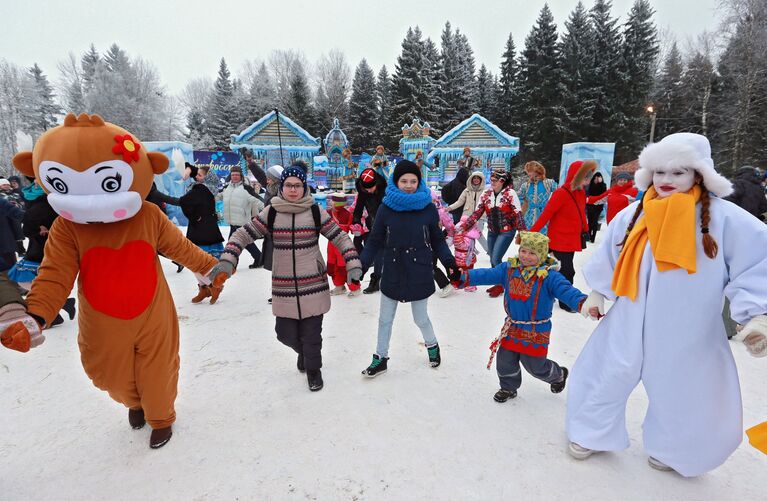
(618, 198)
(565, 213)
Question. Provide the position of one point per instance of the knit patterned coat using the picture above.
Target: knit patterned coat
(299, 280)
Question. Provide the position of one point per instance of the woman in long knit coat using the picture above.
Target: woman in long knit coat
(667, 262)
(300, 291)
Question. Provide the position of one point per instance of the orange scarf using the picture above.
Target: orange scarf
(757, 436)
(669, 224)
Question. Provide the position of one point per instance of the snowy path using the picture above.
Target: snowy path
(249, 428)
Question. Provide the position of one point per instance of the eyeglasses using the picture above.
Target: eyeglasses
(494, 179)
(289, 186)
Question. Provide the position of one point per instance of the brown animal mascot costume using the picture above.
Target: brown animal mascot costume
(97, 176)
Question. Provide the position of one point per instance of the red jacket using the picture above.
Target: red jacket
(565, 212)
(618, 198)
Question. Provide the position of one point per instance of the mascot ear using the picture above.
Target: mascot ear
(159, 162)
(23, 163)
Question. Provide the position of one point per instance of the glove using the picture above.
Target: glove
(18, 330)
(354, 275)
(595, 300)
(755, 336)
(356, 229)
(454, 274)
(221, 273)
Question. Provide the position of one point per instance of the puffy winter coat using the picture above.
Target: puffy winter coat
(408, 240)
(618, 198)
(239, 205)
(39, 213)
(299, 280)
(748, 192)
(470, 197)
(566, 211)
(10, 215)
(502, 210)
(451, 192)
(199, 206)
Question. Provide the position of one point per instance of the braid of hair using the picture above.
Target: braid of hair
(710, 246)
(633, 222)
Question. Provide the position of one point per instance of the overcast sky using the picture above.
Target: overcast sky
(186, 39)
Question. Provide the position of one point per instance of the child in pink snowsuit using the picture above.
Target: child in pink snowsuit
(464, 244)
(336, 265)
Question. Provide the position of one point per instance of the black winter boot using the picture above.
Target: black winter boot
(434, 358)
(373, 286)
(69, 307)
(314, 377)
(376, 367)
(160, 437)
(136, 418)
(504, 395)
(560, 385)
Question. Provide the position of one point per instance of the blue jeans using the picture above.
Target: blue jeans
(386, 319)
(498, 244)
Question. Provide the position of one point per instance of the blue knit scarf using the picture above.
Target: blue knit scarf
(32, 192)
(399, 201)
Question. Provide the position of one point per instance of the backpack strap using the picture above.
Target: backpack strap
(317, 219)
(270, 216)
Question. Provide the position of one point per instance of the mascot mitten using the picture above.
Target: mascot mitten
(97, 176)
(595, 300)
(19, 331)
(755, 336)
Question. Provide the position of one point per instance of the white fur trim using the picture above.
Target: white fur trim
(681, 150)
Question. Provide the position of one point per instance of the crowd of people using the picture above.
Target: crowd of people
(671, 252)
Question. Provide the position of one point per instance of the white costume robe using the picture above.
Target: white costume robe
(672, 339)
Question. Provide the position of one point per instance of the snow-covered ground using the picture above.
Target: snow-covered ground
(248, 427)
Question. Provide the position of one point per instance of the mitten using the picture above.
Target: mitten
(18, 330)
(354, 275)
(356, 229)
(454, 274)
(755, 336)
(221, 273)
(597, 300)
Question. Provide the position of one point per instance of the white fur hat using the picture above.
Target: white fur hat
(681, 150)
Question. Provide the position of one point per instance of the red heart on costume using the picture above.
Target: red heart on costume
(120, 282)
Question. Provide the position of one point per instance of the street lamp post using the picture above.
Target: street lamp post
(653, 114)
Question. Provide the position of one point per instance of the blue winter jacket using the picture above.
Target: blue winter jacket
(408, 240)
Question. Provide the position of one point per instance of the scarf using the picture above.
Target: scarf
(300, 205)
(399, 201)
(32, 192)
(540, 270)
(669, 225)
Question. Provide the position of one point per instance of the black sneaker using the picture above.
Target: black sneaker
(69, 307)
(179, 267)
(373, 286)
(269, 300)
(376, 367)
(560, 385)
(504, 395)
(300, 363)
(255, 265)
(434, 358)
(314, 378)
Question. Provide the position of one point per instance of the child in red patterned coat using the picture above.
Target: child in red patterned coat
(531, 284)
(336, 264)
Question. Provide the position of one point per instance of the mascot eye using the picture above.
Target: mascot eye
(111, 183)
(58, 184)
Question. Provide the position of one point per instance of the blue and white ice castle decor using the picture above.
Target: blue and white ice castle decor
(416, 139)
(338, 167)
(602, 153)
(264, 137)
(492, 147)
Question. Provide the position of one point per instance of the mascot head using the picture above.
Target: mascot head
(93, 171)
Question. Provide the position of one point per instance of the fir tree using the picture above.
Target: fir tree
(383, 104)
(363, 112)
(608, 80)
(669, 95)
(89, 62)
(698, 86)
(640, 50)
(409, 99)
(220, 126)
(43, 110)
(508, 98)
(299, 106)
(578, 65)
(486, 93)
(449, 78)
(116, 60)
(466, 79)
(434, 85)
(540, 94)
(263, 95)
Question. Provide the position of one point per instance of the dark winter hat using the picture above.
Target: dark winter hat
(368, 178)
(623, 175)
(191, 167)
(15, 179)
(405, 167)
(301, 165)
(236, 169)
(293, 171)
